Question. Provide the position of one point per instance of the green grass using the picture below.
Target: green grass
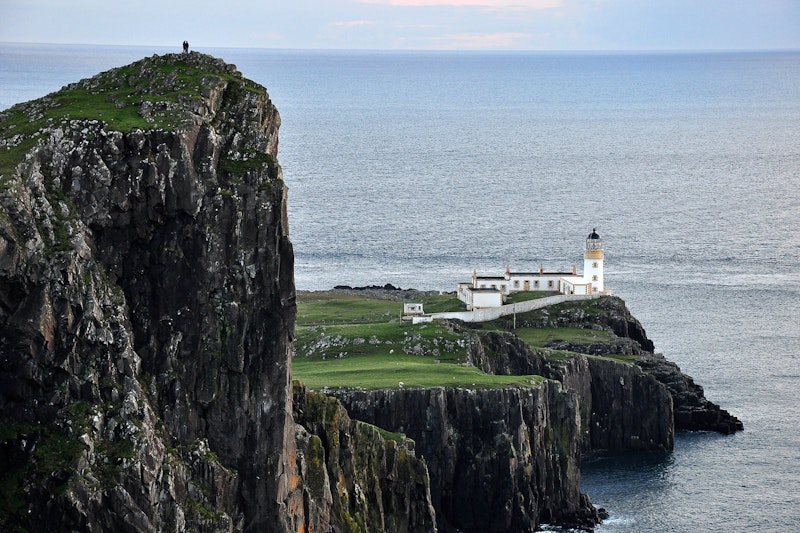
(441, 303)
(619, 358)
(258, 161)
(369, 339)
(171, 84)
(388, 371)
(332, 307)
(390, 435)
(541, 337)
(351, 341)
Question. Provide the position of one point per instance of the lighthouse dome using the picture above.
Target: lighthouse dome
(594, 245)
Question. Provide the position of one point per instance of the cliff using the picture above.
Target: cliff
(505, 457)
(358, 478)
(146, 305)
(632, 398)
(499, 459)
(147, 311)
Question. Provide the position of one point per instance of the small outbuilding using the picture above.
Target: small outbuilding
(412, 309)
(478, 298)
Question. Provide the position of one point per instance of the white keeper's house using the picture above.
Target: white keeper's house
(491, 291)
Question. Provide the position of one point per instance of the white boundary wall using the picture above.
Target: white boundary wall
(492, 313)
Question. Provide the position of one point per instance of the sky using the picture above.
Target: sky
(410, 24)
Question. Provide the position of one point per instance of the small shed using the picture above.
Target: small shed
(482, 298)
(412, 309)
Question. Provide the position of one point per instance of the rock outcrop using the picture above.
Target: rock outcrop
(499, 459)
(635, 403)
(692, 410)
(355, 479)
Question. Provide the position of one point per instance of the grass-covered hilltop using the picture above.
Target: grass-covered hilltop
(148, 321)
(158, 93)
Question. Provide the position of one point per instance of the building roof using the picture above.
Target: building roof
(540, 274)
(593, 235)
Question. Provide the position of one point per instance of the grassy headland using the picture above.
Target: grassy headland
(352, 339)
(346, 340)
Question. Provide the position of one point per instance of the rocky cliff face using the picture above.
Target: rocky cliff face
(633, 404)
(355, 478)
(693, 411)
(622, 408)
(146, 306)
(499, 459)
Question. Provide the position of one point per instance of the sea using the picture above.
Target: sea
(416, 168)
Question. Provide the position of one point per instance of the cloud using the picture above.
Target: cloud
(479, 41)
(354, 23)
(516, 4)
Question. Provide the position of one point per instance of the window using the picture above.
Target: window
(594, 265)
(516, 284)
(594, 278)
(550, 284)
(536, 284)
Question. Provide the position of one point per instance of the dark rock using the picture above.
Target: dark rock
(609, 313)
(497, 353)
(504, 354)
(622, 408)
(146, 313)
(499, 459)
(692, 410)
(354, 477)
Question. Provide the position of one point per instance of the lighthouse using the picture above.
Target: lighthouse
(593, 261)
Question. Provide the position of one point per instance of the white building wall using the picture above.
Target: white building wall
(464, 294)
(538, 282)
(411, 308)
(486, 299)
(575, 285)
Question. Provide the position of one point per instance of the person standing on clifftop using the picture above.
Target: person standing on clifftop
(185, 47)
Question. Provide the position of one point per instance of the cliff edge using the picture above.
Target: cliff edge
(146, 304)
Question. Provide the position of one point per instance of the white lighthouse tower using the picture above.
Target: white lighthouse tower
(593, 262)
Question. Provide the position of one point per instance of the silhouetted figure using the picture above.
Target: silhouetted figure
(185, 47)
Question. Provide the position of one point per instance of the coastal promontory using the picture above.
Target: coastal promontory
(149, 330)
